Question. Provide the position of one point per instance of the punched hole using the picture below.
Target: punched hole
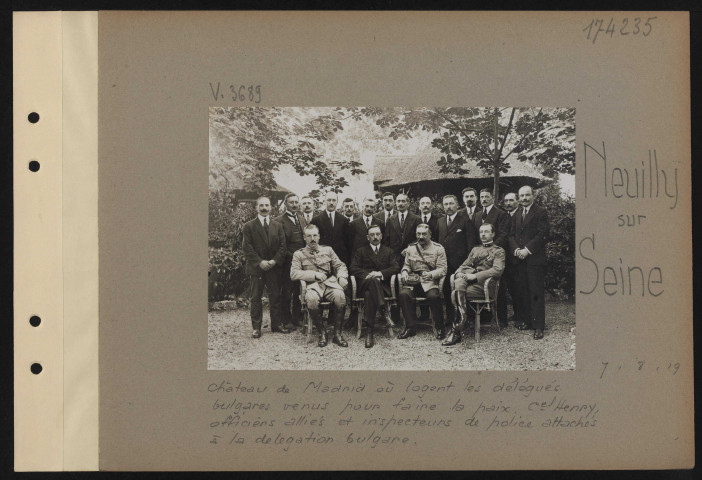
(34, 166)
(33, 117)
(36, 368)
(34, 320)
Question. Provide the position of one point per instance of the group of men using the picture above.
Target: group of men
(323, 249)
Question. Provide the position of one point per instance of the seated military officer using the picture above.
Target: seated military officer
(483, 262)
(326, 278)
(425, 264)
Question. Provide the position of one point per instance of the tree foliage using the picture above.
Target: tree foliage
(490, 137)
(252, 144)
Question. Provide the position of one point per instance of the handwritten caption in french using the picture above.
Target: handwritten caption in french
(388, 413)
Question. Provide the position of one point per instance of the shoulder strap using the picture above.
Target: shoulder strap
(416, 245)
(326, 272)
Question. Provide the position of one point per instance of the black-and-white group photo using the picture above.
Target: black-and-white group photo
(391, 238)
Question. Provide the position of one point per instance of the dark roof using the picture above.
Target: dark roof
(396, 170)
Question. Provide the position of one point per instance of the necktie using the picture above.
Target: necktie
(368, 222)
(307, 218)
(470, 212)
(402, 220)
(484, 214)
(265, 228)
(425, 219)
(524, 213)
(331, 219)
(375, 249)
(293, 218)
(448, 221)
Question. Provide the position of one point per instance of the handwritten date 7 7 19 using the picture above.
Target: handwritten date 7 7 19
(619, 28)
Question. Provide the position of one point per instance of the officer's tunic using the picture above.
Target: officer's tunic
(435, 257)
(307, 262)
(485, 262)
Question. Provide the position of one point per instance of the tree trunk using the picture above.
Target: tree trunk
(496, 167)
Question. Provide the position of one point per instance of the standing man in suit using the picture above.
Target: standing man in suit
(427, 217)
(349, 209)
(373, 265)
(401, 228)
(511, 205)
(291, 221)
(428, 260)
(470, 198)
(527, 244)
(359, 227)
(457, 236)
(501, 223)
(307, 210)
(326, 278)
(388, 209)
(333, 228)
(264, 248)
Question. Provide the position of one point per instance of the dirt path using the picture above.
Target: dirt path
(232, 348)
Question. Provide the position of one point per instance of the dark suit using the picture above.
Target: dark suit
(260, 245)
(508, 277)
(373, 290)
(501, 221)
(433, 222)
(358, 232)
(401, 236)
(303, 221)
(532, 233)
(464, 211)
(336, 237)
(381, 218)
(458, 240)
(290, 290)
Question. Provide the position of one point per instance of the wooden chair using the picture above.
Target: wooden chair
(488, 303)
(306, 317)
(390, 302)
(422, 302)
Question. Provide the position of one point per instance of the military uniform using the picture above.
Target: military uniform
(306, 263)
(432, 260)
(485, 261)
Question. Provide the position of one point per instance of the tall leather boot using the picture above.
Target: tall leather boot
(454, 335)
(319, 323)
(369, 335)
(338, 338)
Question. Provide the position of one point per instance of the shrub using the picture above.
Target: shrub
(560, 249)
(226, 274)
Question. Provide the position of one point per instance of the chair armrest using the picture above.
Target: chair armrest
(441, 285)
(393, 286)
(453, 282)
(486, 288)
(353, 287)
(303, 290)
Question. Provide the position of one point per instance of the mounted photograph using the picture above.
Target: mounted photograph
(391, 238)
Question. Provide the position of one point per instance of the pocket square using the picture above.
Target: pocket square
(459, 230)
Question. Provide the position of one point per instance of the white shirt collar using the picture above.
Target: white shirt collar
(389, 214)
(289, 213)
(260, 219)
(427, 215)
(367, 219)
(487, 209)
(451, 217)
